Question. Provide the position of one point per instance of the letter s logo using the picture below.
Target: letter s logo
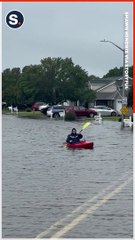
(14, 19)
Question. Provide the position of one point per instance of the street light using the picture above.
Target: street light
(123, 85)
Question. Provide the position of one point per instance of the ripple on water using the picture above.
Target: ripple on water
(43, 182)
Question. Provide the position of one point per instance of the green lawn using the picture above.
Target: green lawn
(32, 114)
(39, 115)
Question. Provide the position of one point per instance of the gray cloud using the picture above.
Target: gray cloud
(67, 30)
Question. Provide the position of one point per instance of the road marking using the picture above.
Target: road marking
(93, 208)
(89, 211)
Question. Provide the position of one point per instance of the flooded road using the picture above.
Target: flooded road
(50, 191)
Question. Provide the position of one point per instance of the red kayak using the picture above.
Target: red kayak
(81, 144)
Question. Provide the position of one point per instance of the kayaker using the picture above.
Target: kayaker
(74, 137)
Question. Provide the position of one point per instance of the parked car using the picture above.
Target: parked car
(56, 111)
(82, 111)
(35, 106)
(43, 108)
(105, 110)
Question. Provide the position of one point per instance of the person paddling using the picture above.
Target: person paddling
(74, 137)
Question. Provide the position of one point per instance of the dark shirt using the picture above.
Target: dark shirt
(74, 138)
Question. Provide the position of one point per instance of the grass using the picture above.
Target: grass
(32, 114)
(39, 115)
(117, 118)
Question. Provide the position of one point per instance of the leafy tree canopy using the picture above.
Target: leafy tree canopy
(53, 80)
(115, 72)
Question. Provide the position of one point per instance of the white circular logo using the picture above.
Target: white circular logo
(14, 19)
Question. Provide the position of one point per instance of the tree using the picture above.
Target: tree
(115, 72)
(93, 77)
(31, 86)
(64, 80)
(54, 80)
(11, 85)
(52, 77)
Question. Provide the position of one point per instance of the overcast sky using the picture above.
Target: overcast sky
(67, 30)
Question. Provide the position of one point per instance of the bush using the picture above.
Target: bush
(28, 110)
(70, 116)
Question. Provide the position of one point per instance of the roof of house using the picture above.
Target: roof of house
(119, 82)
(102, 83)
(105, 81)
(111, 84)
(107, 96)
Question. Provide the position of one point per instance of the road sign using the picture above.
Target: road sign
(124, 110)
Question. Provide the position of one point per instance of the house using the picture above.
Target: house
(109, 91)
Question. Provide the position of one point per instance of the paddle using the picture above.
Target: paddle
(85, 126)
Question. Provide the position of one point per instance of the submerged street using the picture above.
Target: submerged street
(50, 191)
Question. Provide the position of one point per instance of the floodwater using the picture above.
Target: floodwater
(50, 191)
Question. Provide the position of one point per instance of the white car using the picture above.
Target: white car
(56, 111)
(43, 106)
(104, 110)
